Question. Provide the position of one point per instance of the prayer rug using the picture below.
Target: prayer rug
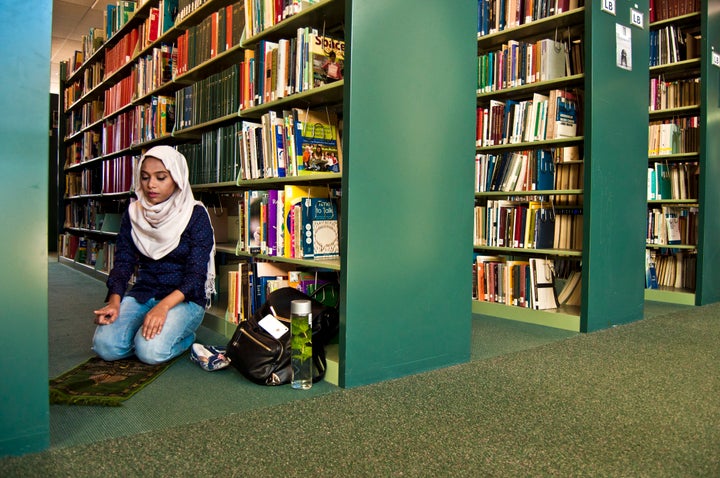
(97, 382)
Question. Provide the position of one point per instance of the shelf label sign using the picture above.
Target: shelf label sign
(637, 18)
(716, 59)
(608, 6)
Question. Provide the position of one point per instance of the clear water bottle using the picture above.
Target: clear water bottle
(301, 343)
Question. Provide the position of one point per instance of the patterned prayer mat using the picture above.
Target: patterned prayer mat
(97, 382)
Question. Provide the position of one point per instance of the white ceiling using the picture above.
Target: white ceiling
(71, 19)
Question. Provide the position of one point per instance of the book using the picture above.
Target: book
(485, 274)
(316, 141)
(672, 222)
(552, 59)
(567, 295)
(544, 228)
(293, 195)
(542, 281)
(562, 114)
(327, 57)
(254, 226)
(320, 228)
(545, 170)
(651, 278)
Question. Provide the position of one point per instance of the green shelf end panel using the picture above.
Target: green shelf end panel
(24, 124)
(616, 118)
(409, 120)
(708, 273)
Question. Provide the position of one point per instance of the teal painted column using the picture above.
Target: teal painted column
(25, 77)
(409, 120)
(707, 290)
(616, 128)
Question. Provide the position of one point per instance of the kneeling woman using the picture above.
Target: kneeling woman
(167, 241)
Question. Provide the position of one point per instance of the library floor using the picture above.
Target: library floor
(637, 400)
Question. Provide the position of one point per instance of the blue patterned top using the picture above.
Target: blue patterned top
(184, 269)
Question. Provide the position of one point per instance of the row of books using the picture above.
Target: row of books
(296, 222)
(90, 113)
(550, 116)
(118, 133)
(88, 181)
(72, 93)
(673, 181)
(160, 20)
(215, 34)
(670, 44)
(274, 70)
(119, 95)
(297, 142)
(673, 136)
(673, 94)
(144, 122)
(92, 42)
(670, 269)
(153, 70)
(248, 284)
(263, 14)
(118, 55)
(155, 119)
(527, 283)
(291, 143)
(672, 225)
(532, 225)
(106, 177)
(87, 147)
(530, 170)
(526, 170)
(83, 250)
(216, 158)
(210, 98)
(116, 15)
(499, 15)
(569, 176)
(93, 75)
(92, 215)
(664, 9)
(519, 63)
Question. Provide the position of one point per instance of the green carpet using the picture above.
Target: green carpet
(97, 382)
(639, 400)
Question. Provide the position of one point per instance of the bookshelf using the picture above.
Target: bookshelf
(681, 178)
(599, 198)
(377, 107)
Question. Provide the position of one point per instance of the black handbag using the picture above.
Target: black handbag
(264, 359)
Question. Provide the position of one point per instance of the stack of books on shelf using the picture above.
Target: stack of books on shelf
(276, 69)
(530, 283)
(248, 284)
(499, 15)
(300, 222)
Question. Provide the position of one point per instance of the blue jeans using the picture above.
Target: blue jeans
(123, 337)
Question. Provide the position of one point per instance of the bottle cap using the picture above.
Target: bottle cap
(300, 307)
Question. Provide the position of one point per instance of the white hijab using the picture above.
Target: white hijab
(156, 228)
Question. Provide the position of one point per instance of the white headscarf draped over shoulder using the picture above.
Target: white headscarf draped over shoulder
(156, 228)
